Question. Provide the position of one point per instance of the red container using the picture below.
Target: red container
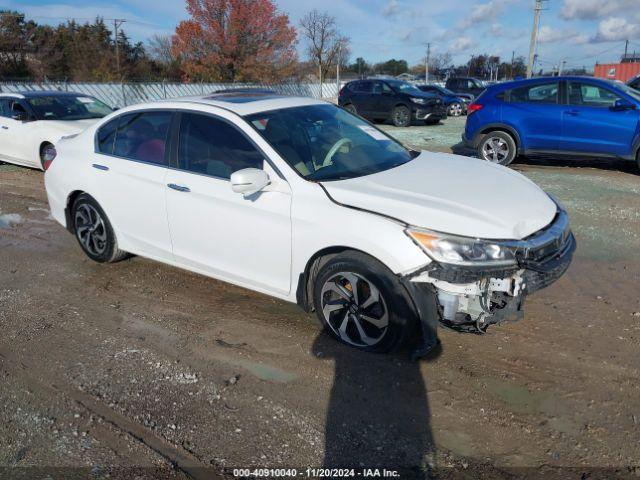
(617, 71)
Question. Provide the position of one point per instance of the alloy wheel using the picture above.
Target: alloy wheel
(455, 110)
(401, 116)
(495, 149)
(354, 309)
(90, 229)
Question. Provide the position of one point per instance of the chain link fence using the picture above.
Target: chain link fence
(120, 95)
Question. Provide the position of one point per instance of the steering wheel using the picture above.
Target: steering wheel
(332, 151)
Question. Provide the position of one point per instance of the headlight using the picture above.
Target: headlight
(456, 250)
(421, 101)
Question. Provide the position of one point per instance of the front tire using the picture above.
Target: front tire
(401, 116)
(361, 303)
(94, 232)
(497, 147)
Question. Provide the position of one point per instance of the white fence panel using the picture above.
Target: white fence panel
(122, 94)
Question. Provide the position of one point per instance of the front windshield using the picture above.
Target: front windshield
(324, 142)
(633, 93)
(404, 87)
(65, 107)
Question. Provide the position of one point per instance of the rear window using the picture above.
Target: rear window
(140, 136)
(539, 93)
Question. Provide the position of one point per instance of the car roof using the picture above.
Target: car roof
(247, 103)
(42, 93)
(527, 81)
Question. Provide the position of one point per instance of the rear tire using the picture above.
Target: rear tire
(401, 116)
(497, 147)
(351, 108)
(362, 304)
(455, 109)
(94, 231)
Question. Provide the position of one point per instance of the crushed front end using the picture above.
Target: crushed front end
(470, 297)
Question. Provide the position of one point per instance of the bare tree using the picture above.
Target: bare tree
(324, 44)
(160, 49)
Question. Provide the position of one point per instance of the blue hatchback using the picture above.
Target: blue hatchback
(553, 116)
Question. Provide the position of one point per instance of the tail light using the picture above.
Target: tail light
(474, 107)
(48, 156)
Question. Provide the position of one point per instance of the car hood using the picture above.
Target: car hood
(68, 127)
(452, 194)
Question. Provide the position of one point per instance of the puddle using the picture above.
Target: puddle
(264, 372)
(457, 442)
(521, 400)
(8, 220)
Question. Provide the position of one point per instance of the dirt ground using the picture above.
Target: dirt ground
(140, 370)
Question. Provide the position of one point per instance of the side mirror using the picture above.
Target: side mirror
(249, 180)
(622, 104)
(20, 116)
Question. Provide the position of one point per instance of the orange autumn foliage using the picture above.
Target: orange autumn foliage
(235, 40)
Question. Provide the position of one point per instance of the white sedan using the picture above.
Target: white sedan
(299, 199)
(32, 122)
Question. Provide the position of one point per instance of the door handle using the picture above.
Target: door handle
(573, 113)
(5, 128)
(179, 188)
(100, 167)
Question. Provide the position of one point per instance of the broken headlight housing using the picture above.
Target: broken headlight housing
(457, 250)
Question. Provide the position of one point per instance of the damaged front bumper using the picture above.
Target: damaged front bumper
(471, 298)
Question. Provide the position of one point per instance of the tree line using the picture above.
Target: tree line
(222, 40)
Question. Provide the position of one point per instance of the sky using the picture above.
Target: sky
(580, 32)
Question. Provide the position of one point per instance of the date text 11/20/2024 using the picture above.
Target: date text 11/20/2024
(315, 473)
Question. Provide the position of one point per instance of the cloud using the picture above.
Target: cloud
(485, 12)
(615, 29)
(391, 9)
(550, 35)
(595, 9)
(460, 44)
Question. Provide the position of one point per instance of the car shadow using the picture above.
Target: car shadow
(623, 166)
(378, 414)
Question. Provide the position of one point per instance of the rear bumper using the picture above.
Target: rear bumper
(467, 142)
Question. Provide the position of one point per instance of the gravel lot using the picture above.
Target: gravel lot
(140, 369)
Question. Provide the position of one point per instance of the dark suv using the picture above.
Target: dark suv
(393, 100)
(467, 85)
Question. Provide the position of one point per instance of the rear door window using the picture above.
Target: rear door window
(365, 87)
(211, 146)
(142, 136)
(540, 93)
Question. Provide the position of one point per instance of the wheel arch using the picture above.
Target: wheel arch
(71, 198)
(304, 288)
(496, 127)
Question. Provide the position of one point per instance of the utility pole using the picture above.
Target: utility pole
(561, 67)
(338, 67)
(626, 48)
(513, 56)
(117, 22)
(426, 63)
(534, 36)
